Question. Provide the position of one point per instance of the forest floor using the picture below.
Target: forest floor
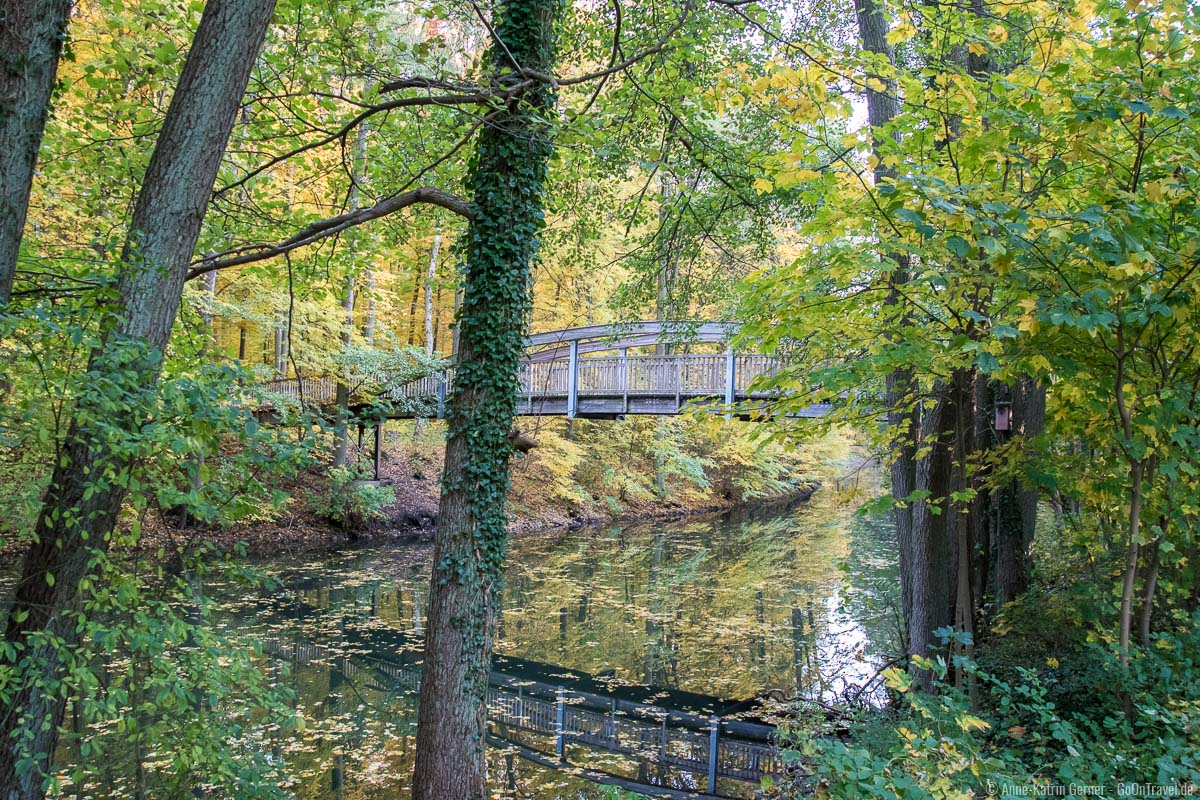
(413, 471)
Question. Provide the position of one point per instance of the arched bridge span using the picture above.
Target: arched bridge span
(600, 371)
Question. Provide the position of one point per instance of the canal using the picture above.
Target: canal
(704, 616)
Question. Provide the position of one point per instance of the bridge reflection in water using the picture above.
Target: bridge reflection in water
(698, 616)
(518, 716)
(589, 372)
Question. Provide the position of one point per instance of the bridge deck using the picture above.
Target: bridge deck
(599, 387)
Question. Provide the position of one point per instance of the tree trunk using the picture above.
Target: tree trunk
(281, 344)
(665, 305)
(342, 395)
(91, 477)
(1009, 567)
(472, 536)
(458, 295)
(210, 302)
(31, 39)
(665, 300)
(1137, 472)
(1029, 408)
(903, 417)
(369, 324)
(1011, 510)
(437, 315)
(966, 443)
(931, 561)
(430, 278)
(358, 179)
(1151, 584)
(412, 307)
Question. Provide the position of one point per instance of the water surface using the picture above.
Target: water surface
(795, 604)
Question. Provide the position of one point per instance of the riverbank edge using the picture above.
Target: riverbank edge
(260, 540)
(412, 521)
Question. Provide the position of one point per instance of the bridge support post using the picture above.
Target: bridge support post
(730, 377)
(714, 732)
(678, 384)
(573, 379)
(378, 446)
(528, 370)
(560, 725)
(624, 380)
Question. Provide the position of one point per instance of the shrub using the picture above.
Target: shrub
(937, 745)
(349, 502)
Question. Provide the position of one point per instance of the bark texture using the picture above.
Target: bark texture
(904, 416)
(1009, 514)
(90, 480)
(32, 33)
(472, 537)
(931, 558)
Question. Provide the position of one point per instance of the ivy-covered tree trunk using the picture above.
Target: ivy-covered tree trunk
(502, 241)
(31, 37)
(92, 476)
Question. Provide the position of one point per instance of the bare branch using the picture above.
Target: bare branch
(330, 226)
(574, 80)
(612, 60)
(400, 102)
(422, 82)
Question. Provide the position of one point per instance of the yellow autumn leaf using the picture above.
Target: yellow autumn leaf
(763, 185)
(1162, 190)
(903, 31)
(969, 722)
(897, 679)
(791, 177)
(1052, 104)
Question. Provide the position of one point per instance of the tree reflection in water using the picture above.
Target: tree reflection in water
(799, 603)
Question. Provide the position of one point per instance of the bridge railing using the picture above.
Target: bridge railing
(752, 367)
(727, 377)
(316, 391)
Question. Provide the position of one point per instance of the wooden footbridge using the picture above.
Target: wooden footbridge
(599, 372)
